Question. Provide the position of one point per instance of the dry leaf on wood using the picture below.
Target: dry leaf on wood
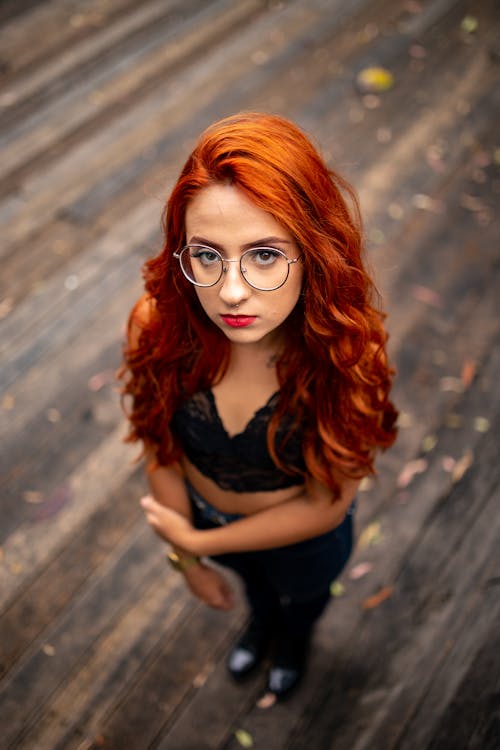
(412, 468)
(427, 295)
(461, 466)
(378, 598)
(374, 80)
(360, 570)
(370, 535)
(244, 738)
(337, 589)
(468, 372)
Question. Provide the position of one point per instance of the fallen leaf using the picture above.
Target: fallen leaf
(426, 203)
(412, 468)
(378, 598)
(366, 484)
(54, 503)
(448, 463)
(337, 589)
(267, 701)
(395, 211)
(472, 203)
(429, 443)
(469, 24)
(72, 282)
(100, 379)
(449, 383)
(8, 402)
(371, 101)
(360, 570)
(6, 307)
(33, 496)
(417, 52)
(370, 536)
(374, 80)
(481, 424)
(461, 466)
(48, 650)
(202, 676)
(427, 295)
(244, 738)
(405, 419)
(468, 372)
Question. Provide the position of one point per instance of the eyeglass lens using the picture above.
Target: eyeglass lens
(264, 268)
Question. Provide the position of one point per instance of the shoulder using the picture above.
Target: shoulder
(142, 315)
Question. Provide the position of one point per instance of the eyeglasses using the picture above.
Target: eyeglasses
(263, 268)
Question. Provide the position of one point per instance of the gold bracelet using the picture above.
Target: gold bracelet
(181, 562)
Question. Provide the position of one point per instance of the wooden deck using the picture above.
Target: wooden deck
(100, 100)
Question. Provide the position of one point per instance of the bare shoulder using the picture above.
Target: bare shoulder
(142, 315)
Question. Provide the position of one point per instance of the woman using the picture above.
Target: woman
(259, 381)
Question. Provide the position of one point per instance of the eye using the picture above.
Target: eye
(264, 256)
(205, 255)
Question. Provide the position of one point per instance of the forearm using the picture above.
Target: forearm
(168, 487)
(294, 521)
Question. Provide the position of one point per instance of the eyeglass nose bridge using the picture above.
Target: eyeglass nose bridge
(231, 260)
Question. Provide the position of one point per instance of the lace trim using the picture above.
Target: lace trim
(239, 462)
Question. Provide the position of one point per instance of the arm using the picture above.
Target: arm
(304, 517)
(169, 494)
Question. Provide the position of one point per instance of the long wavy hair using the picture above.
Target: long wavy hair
(333, 373)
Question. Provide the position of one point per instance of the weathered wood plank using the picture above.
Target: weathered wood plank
(472, 719)
(134, 661)
(41, 600)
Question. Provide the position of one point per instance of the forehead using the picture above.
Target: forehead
(223, 213)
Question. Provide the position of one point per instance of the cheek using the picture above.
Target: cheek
(204, 298)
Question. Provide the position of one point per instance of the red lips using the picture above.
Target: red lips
(238, 321)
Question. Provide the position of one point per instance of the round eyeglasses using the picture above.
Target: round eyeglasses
(263, 268)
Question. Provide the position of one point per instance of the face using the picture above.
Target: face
(221, 217)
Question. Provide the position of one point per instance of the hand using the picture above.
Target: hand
(170, 525)
(210, 586)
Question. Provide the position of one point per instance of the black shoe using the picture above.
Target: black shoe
(289, 662)
(250, 649)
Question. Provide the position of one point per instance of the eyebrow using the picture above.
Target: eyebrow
(264, 242)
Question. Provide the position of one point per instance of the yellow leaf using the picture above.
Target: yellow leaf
(375, 80)
(371, 535)
(244, 738)
(469, 24)
(429, 443)
(337, 589)
(481, 424)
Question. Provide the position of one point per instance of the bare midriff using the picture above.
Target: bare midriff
(228, 501)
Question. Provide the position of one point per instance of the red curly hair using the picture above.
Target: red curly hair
(334, 375)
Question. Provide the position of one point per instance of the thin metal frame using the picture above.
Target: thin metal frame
(235, 260)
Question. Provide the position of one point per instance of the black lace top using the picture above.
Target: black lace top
(241, 463)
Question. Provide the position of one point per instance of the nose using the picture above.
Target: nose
(233, 289)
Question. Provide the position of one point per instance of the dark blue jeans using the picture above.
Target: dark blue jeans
(288, 585)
